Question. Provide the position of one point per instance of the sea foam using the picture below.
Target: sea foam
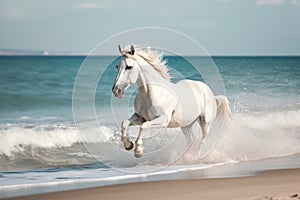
(250, 137)
(259, 136)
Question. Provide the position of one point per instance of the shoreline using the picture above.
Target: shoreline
(275, 172)
(271, 184)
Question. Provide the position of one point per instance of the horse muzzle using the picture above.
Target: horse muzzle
(117, 91)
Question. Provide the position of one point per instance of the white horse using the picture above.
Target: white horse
(161, 103)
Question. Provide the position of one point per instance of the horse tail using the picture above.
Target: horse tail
(223, 109)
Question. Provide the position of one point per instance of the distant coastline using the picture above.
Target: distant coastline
(21, 52)
(17, 52)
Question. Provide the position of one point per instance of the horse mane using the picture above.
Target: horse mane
(156, 61)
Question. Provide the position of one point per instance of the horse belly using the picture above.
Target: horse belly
(205, 99)
(187, 109)
(194, 99)
(179, 123)
(183, 116)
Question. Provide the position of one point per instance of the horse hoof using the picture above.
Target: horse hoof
(139, 154)
(130, 146)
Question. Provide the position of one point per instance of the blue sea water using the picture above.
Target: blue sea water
(41, 144)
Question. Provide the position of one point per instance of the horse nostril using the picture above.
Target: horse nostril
(113, 87)
(119, 90)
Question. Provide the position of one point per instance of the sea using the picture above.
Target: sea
(60, 123)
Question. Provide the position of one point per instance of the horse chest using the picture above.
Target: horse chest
(148, 113)
(146, 109)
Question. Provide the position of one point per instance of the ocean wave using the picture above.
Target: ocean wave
(250, 137)
(16, 138)
(259, 136)
(37, 146)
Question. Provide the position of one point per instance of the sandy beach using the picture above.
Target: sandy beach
(274, 184)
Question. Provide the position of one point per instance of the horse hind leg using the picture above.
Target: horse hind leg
(205, 127)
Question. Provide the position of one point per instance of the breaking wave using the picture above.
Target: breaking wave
(250, 137)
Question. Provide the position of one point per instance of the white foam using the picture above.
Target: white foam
(259, 136)
(14, 138)
(251, 137)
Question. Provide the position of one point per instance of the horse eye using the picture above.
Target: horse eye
(128, 67)
(117, 66)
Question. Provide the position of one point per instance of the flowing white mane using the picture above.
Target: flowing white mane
(156, 61)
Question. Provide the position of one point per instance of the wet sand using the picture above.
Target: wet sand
(273, 184)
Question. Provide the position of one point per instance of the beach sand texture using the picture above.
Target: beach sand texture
(270, 185)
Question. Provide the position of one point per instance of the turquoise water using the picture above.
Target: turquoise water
(42, 86)
(36, 86)
(38, 134)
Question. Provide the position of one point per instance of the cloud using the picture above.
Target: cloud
(268, 2)
(89, 5)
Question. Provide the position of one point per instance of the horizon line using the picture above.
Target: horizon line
(116, 55)
(27, 52)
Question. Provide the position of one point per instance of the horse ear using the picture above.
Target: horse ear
(120, 49)
(131, 50)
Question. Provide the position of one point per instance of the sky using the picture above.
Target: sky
(222, 27)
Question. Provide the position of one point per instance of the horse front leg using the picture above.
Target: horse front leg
(126, 142)
(139, 149)
(159, 122)
(132, 121)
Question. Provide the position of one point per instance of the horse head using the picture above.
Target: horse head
(128, 71)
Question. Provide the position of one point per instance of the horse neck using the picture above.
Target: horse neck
(148, 78)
